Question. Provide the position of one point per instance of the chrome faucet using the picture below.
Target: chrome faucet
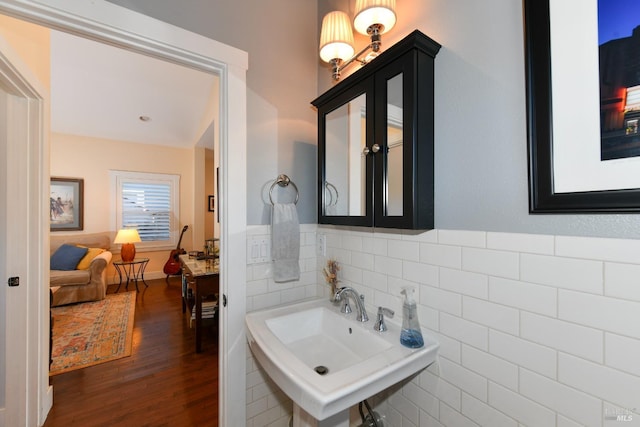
(359, 300)
(380, 326)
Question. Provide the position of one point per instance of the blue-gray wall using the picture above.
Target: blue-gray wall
(480, 124)
(480, 154)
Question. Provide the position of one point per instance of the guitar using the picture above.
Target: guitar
(172, 266)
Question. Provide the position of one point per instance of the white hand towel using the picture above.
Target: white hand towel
(285, 242)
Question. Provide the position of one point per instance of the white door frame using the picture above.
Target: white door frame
(115, 25)
(24, 114)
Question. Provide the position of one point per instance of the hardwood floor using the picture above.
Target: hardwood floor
(163, 383)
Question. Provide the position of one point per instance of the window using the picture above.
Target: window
(148, 202)
(633, 98)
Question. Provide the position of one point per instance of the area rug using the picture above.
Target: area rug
(91, 333)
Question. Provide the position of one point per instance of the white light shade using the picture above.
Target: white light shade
(369, 12)
(336, 37)
(127, 235)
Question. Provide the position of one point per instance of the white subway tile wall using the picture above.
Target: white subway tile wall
(267, 405)
(535, 330)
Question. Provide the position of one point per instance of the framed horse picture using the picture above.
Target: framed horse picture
(66, 202)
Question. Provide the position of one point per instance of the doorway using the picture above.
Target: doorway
(120, 27)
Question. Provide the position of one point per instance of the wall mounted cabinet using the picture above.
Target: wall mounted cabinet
(375, 141)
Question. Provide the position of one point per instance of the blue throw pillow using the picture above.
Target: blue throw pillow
(67, 257)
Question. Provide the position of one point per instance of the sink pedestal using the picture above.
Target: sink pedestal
(302, 419)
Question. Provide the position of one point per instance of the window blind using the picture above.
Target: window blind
(147, 207)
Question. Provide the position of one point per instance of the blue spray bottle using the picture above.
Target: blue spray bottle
(410, 336)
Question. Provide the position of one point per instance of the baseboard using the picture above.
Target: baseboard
(148, 275)
(46, 405)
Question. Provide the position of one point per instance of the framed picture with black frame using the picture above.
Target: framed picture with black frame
(569, 171)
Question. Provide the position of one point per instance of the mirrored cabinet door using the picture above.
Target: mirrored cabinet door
(393, 164)
(344, 184)
(345, 167)
(395, 168)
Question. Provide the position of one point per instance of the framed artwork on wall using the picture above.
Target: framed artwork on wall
(582, 110)
(66, 200)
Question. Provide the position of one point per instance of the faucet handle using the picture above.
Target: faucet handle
(380, 326)
(340, 296)
(346, 308)
(363, 316)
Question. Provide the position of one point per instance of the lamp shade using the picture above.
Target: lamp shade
(336, 37)
(127, 235)
(370, 12)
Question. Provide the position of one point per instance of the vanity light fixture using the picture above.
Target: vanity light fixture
(372, 18)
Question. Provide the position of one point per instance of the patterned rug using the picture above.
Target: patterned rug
(91, 333)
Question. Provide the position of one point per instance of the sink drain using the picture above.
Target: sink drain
(322, 370)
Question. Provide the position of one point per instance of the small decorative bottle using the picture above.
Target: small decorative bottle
(410, 336)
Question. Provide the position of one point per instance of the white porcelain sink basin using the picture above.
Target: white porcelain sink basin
(294, 343)
(319, 337)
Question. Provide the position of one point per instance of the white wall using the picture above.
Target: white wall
(539, 330)
(536, 330)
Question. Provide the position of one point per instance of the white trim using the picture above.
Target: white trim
(25, 306)
(108, 23)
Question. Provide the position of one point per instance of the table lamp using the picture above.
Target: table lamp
(127, 237)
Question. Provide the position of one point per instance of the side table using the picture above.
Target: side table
(133, 270)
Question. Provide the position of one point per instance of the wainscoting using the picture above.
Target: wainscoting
(533, 329)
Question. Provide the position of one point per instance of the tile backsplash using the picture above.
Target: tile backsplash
(534, 330)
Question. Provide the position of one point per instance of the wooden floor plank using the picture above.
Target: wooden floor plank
(163, 383)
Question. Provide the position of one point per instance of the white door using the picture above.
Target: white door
(13, 250)
(14, 322)
(23, 365)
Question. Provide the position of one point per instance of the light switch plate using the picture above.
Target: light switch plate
(321, 244)
(258, 250)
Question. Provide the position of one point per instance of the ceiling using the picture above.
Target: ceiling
(101, 91)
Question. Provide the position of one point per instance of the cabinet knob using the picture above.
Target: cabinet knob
(375, 148)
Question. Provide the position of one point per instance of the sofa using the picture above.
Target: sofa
(86, 281)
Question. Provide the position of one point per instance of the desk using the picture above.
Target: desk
(203, 280)
(133, 270)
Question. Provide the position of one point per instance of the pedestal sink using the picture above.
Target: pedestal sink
(326, 361)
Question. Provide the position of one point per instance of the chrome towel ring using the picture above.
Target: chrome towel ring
(283, 181)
